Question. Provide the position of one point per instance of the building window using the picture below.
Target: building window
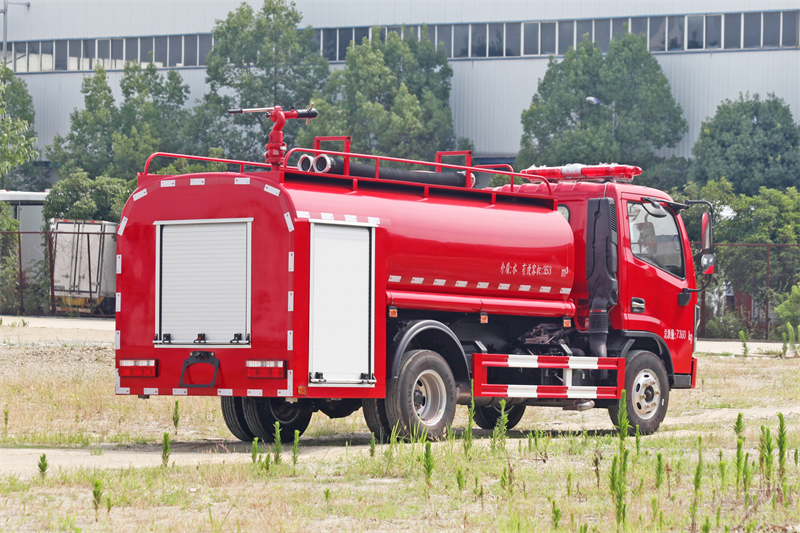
(602, 33)
(619, 26)
(411, 33)
(117, 53)
(74, 59)
(658, 34)
(548, 42)
(329, 44)
(104, 53)
(675, 40)
(461, 40)
(132, 49)
(345, 36)
(639, 26)
(513, 39)
(46, 52)
(62, 61)
(733, 30)
(695, 26)
(566, 36)
(176, 51)
(583, 27)
(478, 40)
(791, 28)
(772, 29)
(190, 51)
(361, 34)
(89, 54)
(531, 36)
(496, 38)
(34, 64)
(713, 31)
(752, 30)
(206, 43)
(146, 50)
(444, 38)
(160, 54)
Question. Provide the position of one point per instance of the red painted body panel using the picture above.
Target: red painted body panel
(511, 254)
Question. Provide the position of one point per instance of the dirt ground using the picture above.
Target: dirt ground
(65, 349)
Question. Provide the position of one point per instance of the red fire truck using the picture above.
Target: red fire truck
(341, 282)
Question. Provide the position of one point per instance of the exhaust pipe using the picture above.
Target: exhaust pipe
(601, 270)
(579, 406)
(305, 163)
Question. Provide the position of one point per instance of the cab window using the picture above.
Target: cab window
(656, 240)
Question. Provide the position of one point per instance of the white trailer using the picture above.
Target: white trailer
(84, 268)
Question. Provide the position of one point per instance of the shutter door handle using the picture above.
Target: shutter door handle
(637, 305)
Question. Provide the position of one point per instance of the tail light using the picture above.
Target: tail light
(137, 368)
(266, 369)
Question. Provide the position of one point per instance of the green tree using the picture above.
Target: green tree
(259, 59)
(751, 142)
(81, 198)
(106, 140)
(391, 97)
(19, 106)
(16, 139)
(637, 113)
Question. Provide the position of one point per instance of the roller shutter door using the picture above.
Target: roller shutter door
(341, 303)
(204, 282)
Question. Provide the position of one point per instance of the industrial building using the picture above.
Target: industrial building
(709, 50)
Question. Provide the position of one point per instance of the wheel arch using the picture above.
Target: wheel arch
(645, 340)
(431, 335)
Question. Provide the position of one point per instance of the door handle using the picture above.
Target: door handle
(637, 305)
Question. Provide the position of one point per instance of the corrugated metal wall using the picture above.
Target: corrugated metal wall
(488, 95)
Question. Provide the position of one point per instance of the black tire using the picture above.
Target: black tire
(233, 414)
(423, 397)
(487, 417)
(647, 393)
(377, 419)
(340, 408)
(262, 413)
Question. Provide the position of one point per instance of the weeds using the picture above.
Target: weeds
(461, 479)
(176, 416)
(254, 451)
(745, 347)
(497, 442)
(5, 421)
(372, 445)
(782, 445)
(659, 471)
(698, 479)
(166, 450)
(556, 515)
(295, 450)
(428, 464)
(468, 438)
(97, 496)
(42, 465)
(277, 446)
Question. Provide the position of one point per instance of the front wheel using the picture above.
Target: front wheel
(422, 400)
(647, 393)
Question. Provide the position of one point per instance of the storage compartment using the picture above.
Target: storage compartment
(341, 305)
(203, 282)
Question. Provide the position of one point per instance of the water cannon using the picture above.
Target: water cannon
(275, 147)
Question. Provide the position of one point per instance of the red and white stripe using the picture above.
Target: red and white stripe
(481, 362)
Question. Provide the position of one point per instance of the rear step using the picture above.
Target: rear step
(481, 362)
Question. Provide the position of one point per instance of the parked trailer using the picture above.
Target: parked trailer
(305, 287)
(84, 265)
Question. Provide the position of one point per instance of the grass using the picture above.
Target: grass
(554, 474)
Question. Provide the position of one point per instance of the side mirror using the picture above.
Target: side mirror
(708, 233)
(708, 263)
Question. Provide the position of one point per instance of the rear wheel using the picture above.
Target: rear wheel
(647, 393)
(377, 419)
(262, 413)
(233, 414)
(487, 417)
(422, 400)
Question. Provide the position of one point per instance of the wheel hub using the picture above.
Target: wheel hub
(646, 394)
(429, 397)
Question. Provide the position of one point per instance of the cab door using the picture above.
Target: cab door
(657, 267)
